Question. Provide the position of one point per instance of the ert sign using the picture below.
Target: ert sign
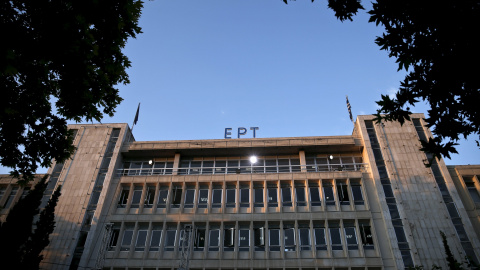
(240, 132)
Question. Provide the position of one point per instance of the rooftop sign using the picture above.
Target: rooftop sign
(240, 132)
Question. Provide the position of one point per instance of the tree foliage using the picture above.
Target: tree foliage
(436, 43)
(62, 62)
(40, 238)
(17, 227)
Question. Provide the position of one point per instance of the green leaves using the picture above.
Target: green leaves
(77, 61)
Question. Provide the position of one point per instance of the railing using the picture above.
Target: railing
(245, 169)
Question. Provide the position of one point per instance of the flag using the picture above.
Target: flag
(136, 115)
(349, 107)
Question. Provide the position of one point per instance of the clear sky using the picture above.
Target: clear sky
(202, 66)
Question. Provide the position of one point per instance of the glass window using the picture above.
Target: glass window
(207, 167)
(322, 164)
(272, 197)
(274, 239)
(214, 240)
(315, 197)
(162, 197)
(232, 166)
(469, 182)
(283, 165)
(141, 240)
(335, 238)
(127, 239)
(199, 239)
(270, 166)
(295, 163)
(158, 168)
(24, 192)
(195, 167)
(220, 166)
(113, 238)
(150, 196)
(320, 243)
(228, 239)
(366, 236)
(122, 202)
(231, 194)
(170, 238)
(259, 238)
(135, 168)
(189, 197)
(203, 198)
(289, 238)
(286, 196)
(328, 194)
(177, 197)
(342, 191)
(244, 197)
(244, 240)
(137, 195)
(155, 240)
(357, 193)
(351, 237)
(2, 191)
(217, 198)
(258, 197)
(304, 234)
(300, 196)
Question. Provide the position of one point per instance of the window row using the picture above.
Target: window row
(243, 165)
(231, 195)
(272, 236)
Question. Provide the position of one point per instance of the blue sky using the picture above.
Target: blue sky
(202, 66)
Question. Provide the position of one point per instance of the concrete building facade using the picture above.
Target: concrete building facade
(360, 201)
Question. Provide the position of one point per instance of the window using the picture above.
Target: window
(272, 196)
(286, 196)
(11, 197)
(203, 197)
(244, 196)
(342, 191)
(289, 239)
(189, 197)
(258, 196)
(199, 244)
(270, 165)
(274, 239)
(141, 240)
(162, 197)
(220, 166)
(470, 184)
(2, 191)
(320, 243)
(283, 165)
(127, 239)
(328, 193)
(149, 197)
(228, 239)
(231, 194)
(357, 192)
(214, 240)
(207, 167)
(351, 236)
(122, 202)
(155, 239)
(244, 240)
(314, 194)
(304, 235)
(366, 236)
(300, 194)
(170, 237)
(217, 197)
(114, 238)
(137, 194)
(24, 192)
(259, 238)
(177, 196)
(335, 238)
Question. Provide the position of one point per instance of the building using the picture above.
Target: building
(354, 202)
